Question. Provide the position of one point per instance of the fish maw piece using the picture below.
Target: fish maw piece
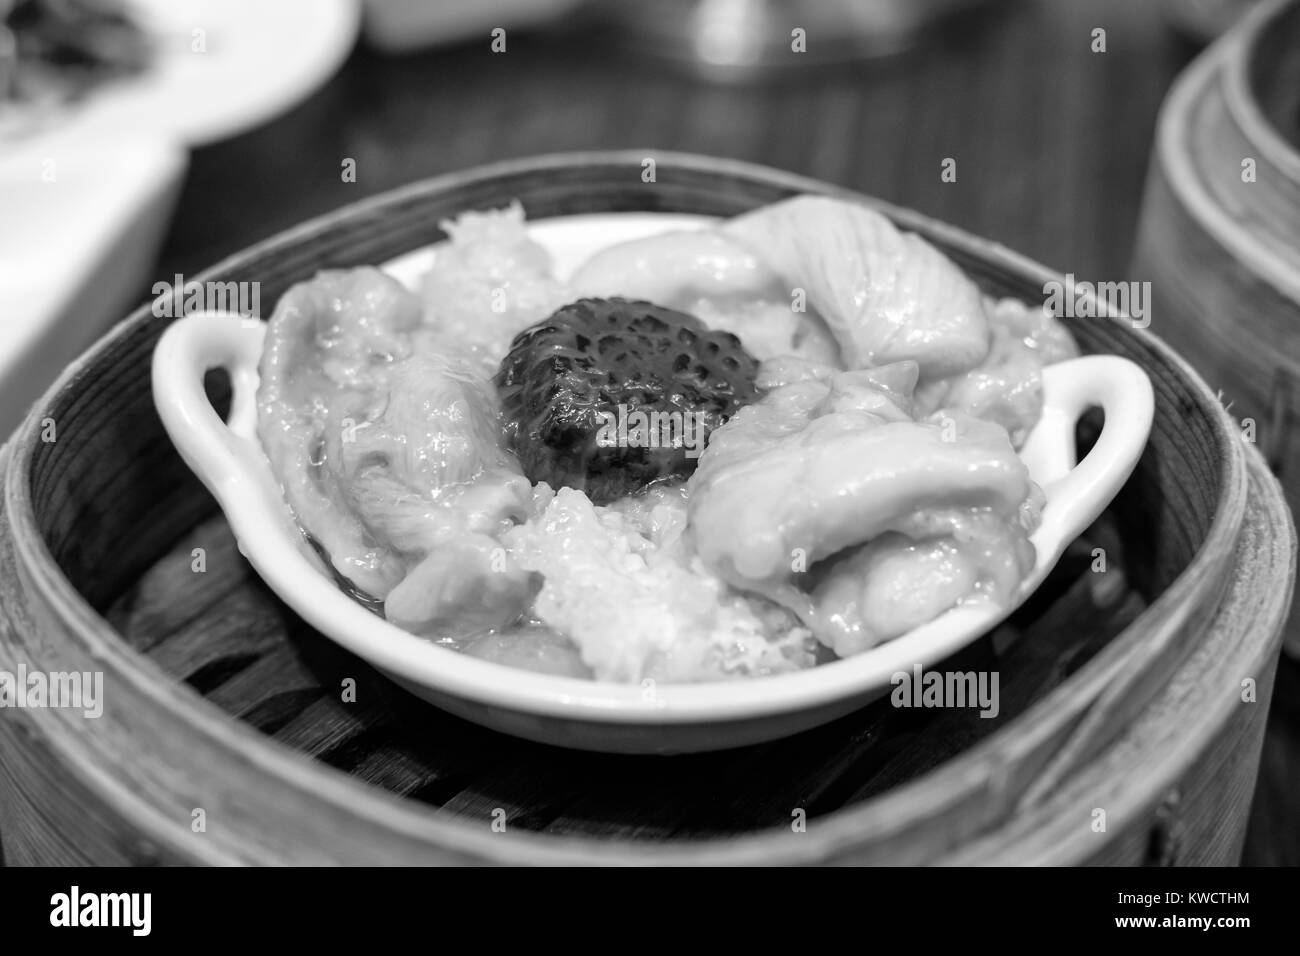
(431, 424)
(386, 457)
(342, 325)
(887, 296)
(328, 344)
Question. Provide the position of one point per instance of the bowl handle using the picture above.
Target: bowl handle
(216, 451)
(1078, 493)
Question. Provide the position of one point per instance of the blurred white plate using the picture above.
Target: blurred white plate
(259, 58)
(593, 715)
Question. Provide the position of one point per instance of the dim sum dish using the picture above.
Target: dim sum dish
(652, 482)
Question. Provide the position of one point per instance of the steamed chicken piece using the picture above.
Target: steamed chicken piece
(684, 262)
(828, 462)
(887, 296)
(389, 458)
(487, 284)
(719, 281)
(1007, 386)
(895, 583)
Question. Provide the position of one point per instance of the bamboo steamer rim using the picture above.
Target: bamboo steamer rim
(1240, 53)
(982, 769)
(1047, 840)
(1226, 58)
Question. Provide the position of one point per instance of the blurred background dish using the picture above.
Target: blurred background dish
(92, 152)
(198, 71)
(1203, 20)
(401, 26)
(739, 39)
(54, 53)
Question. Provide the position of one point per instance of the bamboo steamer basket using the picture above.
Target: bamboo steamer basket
(1121, 692)
(1219, 232)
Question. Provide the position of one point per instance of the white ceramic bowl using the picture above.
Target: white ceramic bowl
(593, 715)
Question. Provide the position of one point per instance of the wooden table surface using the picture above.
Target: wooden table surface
(1050, 139)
